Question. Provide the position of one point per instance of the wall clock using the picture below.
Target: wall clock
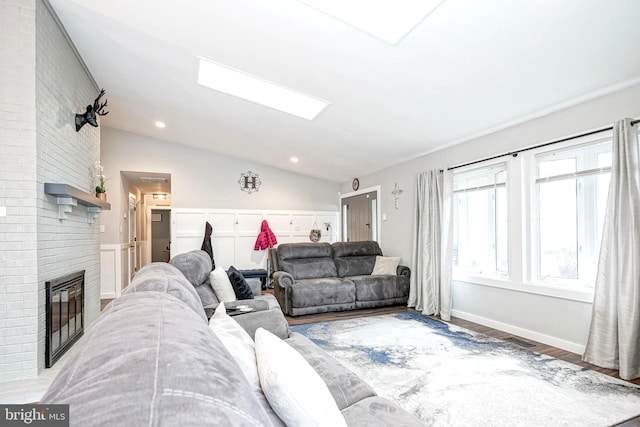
(355, 184)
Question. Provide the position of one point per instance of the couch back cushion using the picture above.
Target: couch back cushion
(150, 361)
(355, 258)
(195, 265)
(307, 260)
(163, 277)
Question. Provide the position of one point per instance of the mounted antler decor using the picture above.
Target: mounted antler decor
(89, 116)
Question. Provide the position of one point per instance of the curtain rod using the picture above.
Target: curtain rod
(557, 141)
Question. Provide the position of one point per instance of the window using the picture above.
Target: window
(480, 235)
(569, 198)
(534, 221)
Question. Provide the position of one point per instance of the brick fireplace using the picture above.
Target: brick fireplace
(43, 83)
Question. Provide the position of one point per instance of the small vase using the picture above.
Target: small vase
(102, 196)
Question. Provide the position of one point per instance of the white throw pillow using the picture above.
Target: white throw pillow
(238, 342)
(293, 388)
(386, 266)
(222, 285)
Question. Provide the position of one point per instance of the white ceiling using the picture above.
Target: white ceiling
(469, 68)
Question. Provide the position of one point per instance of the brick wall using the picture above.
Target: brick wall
(18, 191)
(64, 88)
(42, 85)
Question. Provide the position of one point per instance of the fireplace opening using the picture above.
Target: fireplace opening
(65, 321)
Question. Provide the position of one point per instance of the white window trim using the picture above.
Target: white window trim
(574, 294)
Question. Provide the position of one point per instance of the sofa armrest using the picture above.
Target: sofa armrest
(403, 270)
(282, 282)
(256, 286)
(283, 278)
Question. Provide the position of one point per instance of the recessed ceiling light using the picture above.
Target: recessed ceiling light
(294, 160)
(389, 20)
(161, 125)
(252, 88)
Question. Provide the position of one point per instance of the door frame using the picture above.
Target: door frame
(378, 219)
(131, 225)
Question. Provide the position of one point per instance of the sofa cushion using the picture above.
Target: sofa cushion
(271, 320)
(355, 258)
(309, 268)
(294, 389)
(378, 412)
(307, 260)
(242, 348)
(163, 277)
(207, 296)
(221, 285)
(288, 251)
(138, 366)
(386, 266)
(240, 286)
(322, 291)
(345, 386)
(194, 265)
(373, 288)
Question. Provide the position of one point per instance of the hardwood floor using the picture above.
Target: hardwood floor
(104, 302)
(340, 315)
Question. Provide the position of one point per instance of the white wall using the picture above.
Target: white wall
(202, 179)
(560, 322)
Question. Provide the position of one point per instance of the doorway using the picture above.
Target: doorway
(150, 190)
(360, 215)
(160, 235)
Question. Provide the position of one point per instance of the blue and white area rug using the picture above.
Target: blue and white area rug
(450, 376)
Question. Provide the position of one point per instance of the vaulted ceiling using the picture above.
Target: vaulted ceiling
(467, 69)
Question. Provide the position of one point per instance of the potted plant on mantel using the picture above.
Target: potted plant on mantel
(101, 188)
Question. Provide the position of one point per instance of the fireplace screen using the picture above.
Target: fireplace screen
(65, 303)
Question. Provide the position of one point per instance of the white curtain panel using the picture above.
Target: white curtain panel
(430, 291)
(614, 338)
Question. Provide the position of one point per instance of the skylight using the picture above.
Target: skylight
(389, 20)
(255, 89)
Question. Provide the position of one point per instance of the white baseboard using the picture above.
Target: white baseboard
(525, 333)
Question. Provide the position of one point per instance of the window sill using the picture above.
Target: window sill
(581, 295)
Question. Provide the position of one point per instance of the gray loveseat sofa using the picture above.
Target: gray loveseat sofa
(321, 277)
(151, 360)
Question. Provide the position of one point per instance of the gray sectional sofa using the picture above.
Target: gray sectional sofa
(151, 359)
(196, 266)
(321, 277)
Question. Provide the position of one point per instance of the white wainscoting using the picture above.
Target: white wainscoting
(235, 232)
(114, 268)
